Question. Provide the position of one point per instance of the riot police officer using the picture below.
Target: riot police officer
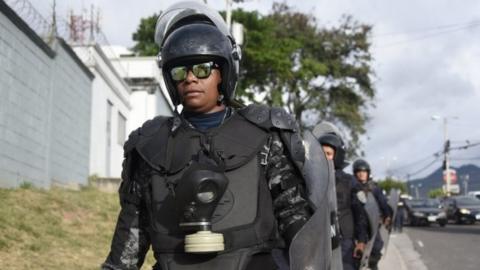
(362, 172)
(212, 187)
(399, 216)
(351, 214)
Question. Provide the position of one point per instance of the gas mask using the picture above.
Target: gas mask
(196, 195)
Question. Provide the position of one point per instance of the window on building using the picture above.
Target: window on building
(122, 128)
(108, 137)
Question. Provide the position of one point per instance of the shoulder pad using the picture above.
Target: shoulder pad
(147, 129)
(151, 126)
(257, 114)
(131, 141)
(282, 120)
(295, 146)
(361, 196)
(266, 117)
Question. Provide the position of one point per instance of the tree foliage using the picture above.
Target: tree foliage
(436, 193)
(289, 61)
(388, 184)
(145, 37)
(316, 73)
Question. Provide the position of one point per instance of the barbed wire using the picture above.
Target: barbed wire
(77, 29)
(31, 16)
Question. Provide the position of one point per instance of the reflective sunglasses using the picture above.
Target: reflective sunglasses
(201, 71)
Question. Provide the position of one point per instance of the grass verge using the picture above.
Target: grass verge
(56, 229)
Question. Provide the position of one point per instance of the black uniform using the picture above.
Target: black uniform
(385, 212)
(352, 217)
(398, 223)
(263, 207)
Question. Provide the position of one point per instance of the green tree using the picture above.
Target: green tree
(436, 193)
(388, 184)
(290, 61)
(145, 37)
(316, 73)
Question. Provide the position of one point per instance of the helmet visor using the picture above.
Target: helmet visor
(185, 9)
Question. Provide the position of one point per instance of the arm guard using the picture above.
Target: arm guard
(291, 206)
(360, 217)
(130, 240)
(385, 209)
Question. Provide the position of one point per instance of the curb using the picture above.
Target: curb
(401, 254)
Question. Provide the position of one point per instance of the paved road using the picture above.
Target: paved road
(451, 247)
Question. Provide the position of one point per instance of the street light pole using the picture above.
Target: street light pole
(229, 13)
(465, 183)
(409, 191)
(446, 150)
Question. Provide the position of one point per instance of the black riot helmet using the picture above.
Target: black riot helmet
(334, 141)
(190, 32)
(361, 165)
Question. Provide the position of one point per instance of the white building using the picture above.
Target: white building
(65, 115)
(126, 92)
(111, 111)
(149, 95)
(45, 105)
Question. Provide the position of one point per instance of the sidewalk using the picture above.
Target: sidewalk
(401, 255)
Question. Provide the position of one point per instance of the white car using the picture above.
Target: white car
(474, 194)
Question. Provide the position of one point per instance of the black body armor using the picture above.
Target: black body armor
(344, 200)
(245, 214)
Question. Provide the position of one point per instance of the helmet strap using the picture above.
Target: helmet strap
(220, 99)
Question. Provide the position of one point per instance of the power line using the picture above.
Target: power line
(463, 147)
(428, 29)
(467, 158)
(436, 156)
(464, 141)
(416, 162)
(426, 36)
(424, 168)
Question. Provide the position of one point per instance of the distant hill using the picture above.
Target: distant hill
(435, 180)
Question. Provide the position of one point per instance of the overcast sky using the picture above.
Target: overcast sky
(427, 62)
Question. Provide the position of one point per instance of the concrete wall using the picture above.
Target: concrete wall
(45, 95)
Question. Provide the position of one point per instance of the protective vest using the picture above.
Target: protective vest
(344, 204)
(369, 186)
(244, 215)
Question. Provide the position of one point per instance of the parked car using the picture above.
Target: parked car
(425, 212)
(475, 194)
(462, 209)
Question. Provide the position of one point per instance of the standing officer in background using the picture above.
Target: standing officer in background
(352, 217)
(213, 187)
(361, 170)
(398, 223)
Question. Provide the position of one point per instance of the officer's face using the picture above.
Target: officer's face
(200, 95)
(362, 176)
(329, 152)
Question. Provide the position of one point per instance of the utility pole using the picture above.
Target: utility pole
(417, 193)
(446, 151)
